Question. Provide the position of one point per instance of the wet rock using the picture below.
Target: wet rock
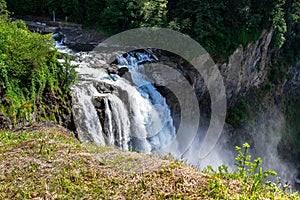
(121, 71)
(59, 37)
(105, 88)
(112, 69)
(98, 102)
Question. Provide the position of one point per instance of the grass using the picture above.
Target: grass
(49, 164)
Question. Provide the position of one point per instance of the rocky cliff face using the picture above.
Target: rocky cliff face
(244, 74)
(245, 70)
(247, 67)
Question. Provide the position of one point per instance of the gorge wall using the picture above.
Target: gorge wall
(256, 114)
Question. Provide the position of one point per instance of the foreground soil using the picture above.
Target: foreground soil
(49, 163)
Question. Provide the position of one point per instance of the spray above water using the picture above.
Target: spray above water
(134, 114)
(151, 126)
(144, 123)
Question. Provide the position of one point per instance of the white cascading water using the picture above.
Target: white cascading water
(85, 115)
(118, 122)
(144, 123)
(149, 106)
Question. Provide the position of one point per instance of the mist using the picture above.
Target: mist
(264, 134)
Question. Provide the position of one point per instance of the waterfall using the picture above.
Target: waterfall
(88, 125)
(152, 112)
(118, 122)
(118, 112)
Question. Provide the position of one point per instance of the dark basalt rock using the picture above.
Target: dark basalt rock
(105, 88)
(114, 69)
(59, 37)
(74, 35)
(121, 71)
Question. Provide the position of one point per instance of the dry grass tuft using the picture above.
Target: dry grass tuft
(49, 164)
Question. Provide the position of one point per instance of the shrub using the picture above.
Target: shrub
(29, 71)
(253, 178)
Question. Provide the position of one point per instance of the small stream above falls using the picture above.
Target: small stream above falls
(112, 111)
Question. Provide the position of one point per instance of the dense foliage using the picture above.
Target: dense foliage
(220, 26)
(292, 16)
(122, 15)
(34, 85)
(292, 113)
(252, 176)
(80, 11)
(3, 11)
(113, 15)
(30, 75)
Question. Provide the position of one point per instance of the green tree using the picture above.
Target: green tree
(278, 23)
(154, 13)
(126, 14)
(29, 72)
(222, 25)
(3, 11)
(92, 10)
(291, 46)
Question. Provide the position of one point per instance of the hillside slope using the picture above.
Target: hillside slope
(48, 163)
